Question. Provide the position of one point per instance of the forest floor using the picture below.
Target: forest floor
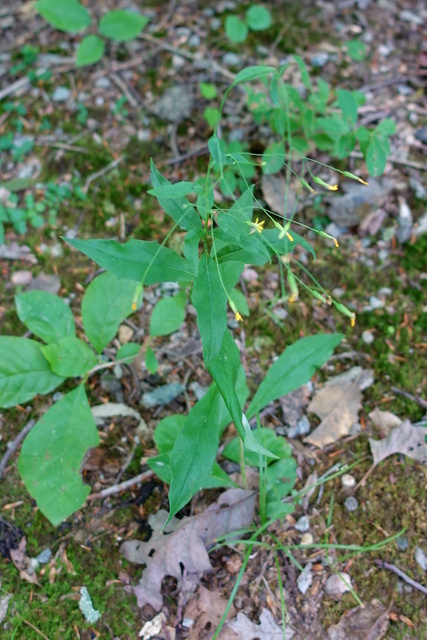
(94, 130)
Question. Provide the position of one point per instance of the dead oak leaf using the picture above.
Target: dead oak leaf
(369, 622)
(268, 629)
(204, 613)
(337, 404)
(406, 439)
(166, 555)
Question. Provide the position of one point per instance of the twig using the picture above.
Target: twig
(61, 145)
(186, 156)
(124, 89)
(102, 172)
(118, 488)
(12, 446)
(35, 629)
(398, 572)
(404, 163)
(384, 83)
(420, 402)
(126, 462)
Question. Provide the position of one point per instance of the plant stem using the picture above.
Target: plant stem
(242, 463)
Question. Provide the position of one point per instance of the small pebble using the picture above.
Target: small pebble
(61, 94)
(44, 556)
(367, 337)
(103, 82)
(305, 579)
(351, 503)
(306, 538)
(231, 59)
(301, 428)
(420, 558)
(303, 524)
(338, 584)
(348, 481)
(319, 60)
(21, 278)
(402, 544)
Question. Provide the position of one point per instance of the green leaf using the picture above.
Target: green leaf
(191, 247)
(65, 15)
(253, 73)
(348, 105)
(217, 152)
(172, 191)
(106, 303)
(280, 477)
(205, 202)
(210, 301)
(167, 431)
(46, 315)
(139, 260)
(240, 301)
(267, 438)
(70, 357)
(273, 158)
(122, 25)
(212, 116)
(235, 29)
(52, 455)
(376, 157)
(151, 361)
(24, 371)
(178, 208)
(305, 76)
(294, 368)
(128, 352)
(333, 126)
(194, 451)
(208, 90)
(356, 50)
(90, 50)
(224, 370)
(258, 17)
(386, 127)
(168, 315)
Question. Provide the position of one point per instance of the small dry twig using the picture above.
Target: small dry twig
(118, 488)
(12, 446)
(391, 567)
(102, 172)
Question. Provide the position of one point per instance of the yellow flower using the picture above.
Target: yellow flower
(257, 226)
(331, 187)
(238, 317)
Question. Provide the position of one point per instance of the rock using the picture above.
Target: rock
(405, 221)
(45, 282)
(198, 390)
(249, 274)
(162, 395)
(176, 103)
(44, 556)
(305, 579)
(143, 135)
(338, 584)
(319, 60)
(368, 337)
(21, 278)
(302, 427)
(303, 524)
(420, 558)
(231, 59)
(350, 209)
(410, 16)
(402, 544)
(348, 481)
(61, 94)
(103, 82)
(351, 503)
(404, 90)
(125, 334)
(421, 227)
(194, 41)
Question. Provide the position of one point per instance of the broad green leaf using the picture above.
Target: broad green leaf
(70, 357)
(277, 509)
(167, 431)
(376, 157)
(258, 17)
(24, 371)
(205, 202)
(217, 152)
(236, 29)
(283, 246)
(267, 438)
(139, 260)
(122, 25)
(90, 50)
(194, 451)
(356, 50)
(230, 274)
(46, 315)
(128, 352)
(273, 158)
(280, 477)
(210, 301)
(178, 208)
(333, 126)
(161, 467)
(224, 370)
(294, 368)
(212, 116)
(242, 391)
(168, 315)
(191, 247)
(240, 301)
(106, 303)
(228, 183)
(65, 15)
(348, 105)
(151, 361)
(208, 91)
(52, 455)
(218, 478)
(345, 145)
(386, 127)
(172, 191)
(256, 252)
(253, 73)
(305, 76)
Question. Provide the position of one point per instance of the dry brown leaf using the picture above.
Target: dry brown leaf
(385, 421)
(165, 555)
(369, 622)
(204, 613)
(337, 404)
(274, 189)
(245, 629)
(405, 439)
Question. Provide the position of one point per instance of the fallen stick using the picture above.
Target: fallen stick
(118, 488)
(12, 446)
(398, 572)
